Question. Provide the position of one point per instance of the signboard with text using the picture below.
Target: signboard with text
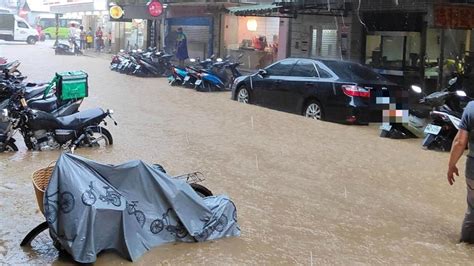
(454, 16)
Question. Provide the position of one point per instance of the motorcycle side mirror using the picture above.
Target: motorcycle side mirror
(219, 60)
(461, 93)
(452, 81)
(227, 57)
(416, 88)
(240, 56)
(262, 72)
(139, 50)
(192, 60)
(212, 56)
(122, 50)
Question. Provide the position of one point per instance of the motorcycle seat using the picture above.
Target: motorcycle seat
(35, 91)
(82, 119)
(421, 113)
(46, 105)
(167, 56)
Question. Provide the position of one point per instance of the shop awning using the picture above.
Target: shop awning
(259, 10)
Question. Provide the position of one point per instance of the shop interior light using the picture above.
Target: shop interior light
(252, 25)
(88, 13)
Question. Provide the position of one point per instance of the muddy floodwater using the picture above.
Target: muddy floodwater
(306, 191)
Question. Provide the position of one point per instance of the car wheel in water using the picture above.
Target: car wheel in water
(314, 110)
(243, 95)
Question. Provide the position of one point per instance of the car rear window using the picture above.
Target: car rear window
(353, 72)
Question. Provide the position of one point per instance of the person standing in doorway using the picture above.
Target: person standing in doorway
(464, 136)
(82, 37)
(89, 38)
(99, 35)
(181, 47)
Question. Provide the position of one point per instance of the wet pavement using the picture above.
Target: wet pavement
(306, 191)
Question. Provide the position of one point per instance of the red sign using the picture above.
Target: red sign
(454, 17)
(155, 8)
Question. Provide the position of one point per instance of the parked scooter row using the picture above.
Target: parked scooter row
(149, 63)
(435, 117)
(45, 120)
(207, 75)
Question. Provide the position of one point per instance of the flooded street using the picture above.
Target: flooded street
(306, 192)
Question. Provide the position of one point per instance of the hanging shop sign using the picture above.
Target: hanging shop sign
(116, 12)
(454, 16)
(155, 8)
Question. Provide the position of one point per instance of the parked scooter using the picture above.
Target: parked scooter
(44, 131)
(65, 49)
(218, 79)
(418, 118)
(193, 71)
(446, 120)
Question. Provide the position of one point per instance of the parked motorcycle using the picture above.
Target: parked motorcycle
(193, 71)
(65, 49)
(219, 77)
(149, 63)
(44, 131)
(446, 120)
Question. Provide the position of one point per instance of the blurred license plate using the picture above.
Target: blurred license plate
(432, 129)
(198, 82)
(186, 78)
(386, 127)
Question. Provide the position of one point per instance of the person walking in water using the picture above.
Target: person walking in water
(464, 136)
(181, 47)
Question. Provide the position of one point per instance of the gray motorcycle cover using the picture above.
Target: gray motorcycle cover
(130, 208)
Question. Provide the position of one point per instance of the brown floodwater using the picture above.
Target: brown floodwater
(306, 191)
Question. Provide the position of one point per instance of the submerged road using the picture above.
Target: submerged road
(306, 191)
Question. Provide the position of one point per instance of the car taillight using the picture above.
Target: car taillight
(355, 91)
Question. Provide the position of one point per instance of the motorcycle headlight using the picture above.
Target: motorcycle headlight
(4, 115)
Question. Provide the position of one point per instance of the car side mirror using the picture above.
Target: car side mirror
(262, 72)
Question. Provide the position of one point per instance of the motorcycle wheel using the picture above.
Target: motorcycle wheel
(201, 190)
(104, 133)
(10, 146)
(204, 87)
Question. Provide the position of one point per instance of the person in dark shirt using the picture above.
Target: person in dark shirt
(464, 136)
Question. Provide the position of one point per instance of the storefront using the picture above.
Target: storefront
(256, 38)
(419, 47)
(255, 32)
(135, 26)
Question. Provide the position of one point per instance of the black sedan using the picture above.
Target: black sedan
(330, 90)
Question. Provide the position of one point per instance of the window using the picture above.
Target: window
(281, 68)
(353, 72)
(22, 24)
(323, 73)
(304, 68)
